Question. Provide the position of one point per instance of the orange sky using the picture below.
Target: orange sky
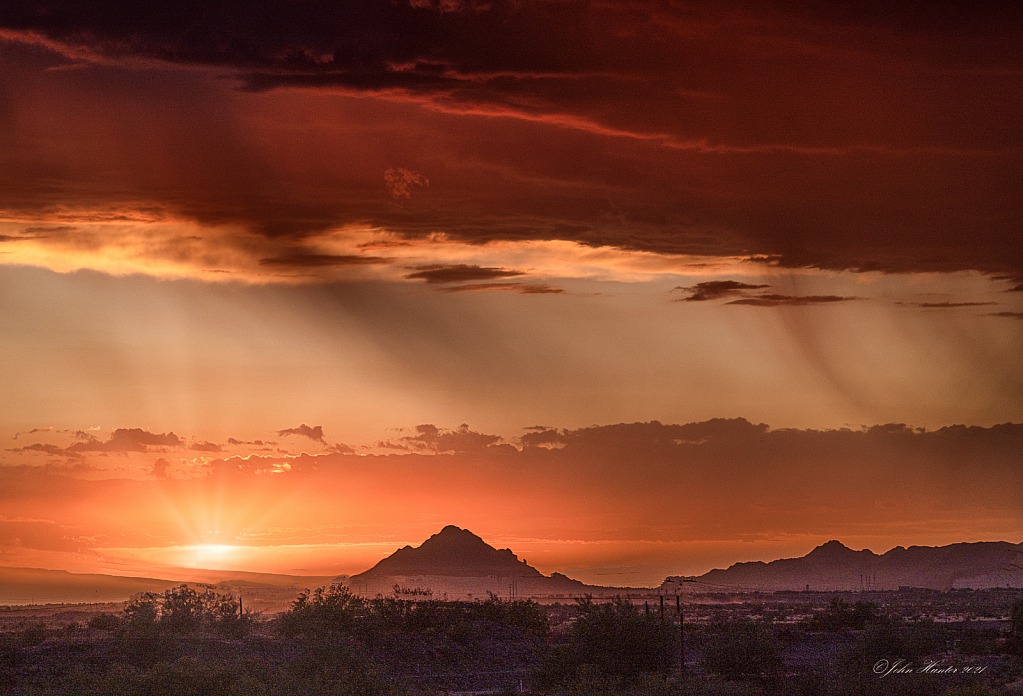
(297, 232)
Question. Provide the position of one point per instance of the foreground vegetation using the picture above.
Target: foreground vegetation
(182, 643)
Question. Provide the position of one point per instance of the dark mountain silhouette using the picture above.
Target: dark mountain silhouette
(834, 566)
(455, 563)
(452, 552)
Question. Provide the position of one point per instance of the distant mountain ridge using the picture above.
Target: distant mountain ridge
(457, 562)
(834, 566)
(457, 559)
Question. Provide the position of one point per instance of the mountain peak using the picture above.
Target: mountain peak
(456, 552)
(451, 533)
(831, 548)
(836, 552)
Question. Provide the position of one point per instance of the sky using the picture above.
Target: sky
(632, 288)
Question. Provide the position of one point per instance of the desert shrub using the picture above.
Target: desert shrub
(326, 668)
(1014, 641)
(623, 640)
(843, 616)
(742, 650)
(523, 614)
(183, 611)
(611, 647)
(558, 665)
(974, 690)
(895, 642)
(337, 611)
(185, 676)
(35, 633)
(321, 613)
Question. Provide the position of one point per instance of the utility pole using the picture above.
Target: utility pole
(681, 625)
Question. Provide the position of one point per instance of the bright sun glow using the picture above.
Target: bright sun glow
(205, 554)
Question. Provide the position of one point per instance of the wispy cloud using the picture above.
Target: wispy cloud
(322, 260)
(520, 288)
(726, 289)
(459, 273)
(772, 300)
(949, 305)
(715, 290)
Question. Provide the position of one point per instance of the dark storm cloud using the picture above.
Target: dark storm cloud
(542, 58)
(314, 433)
(459, 273)
(706, 125)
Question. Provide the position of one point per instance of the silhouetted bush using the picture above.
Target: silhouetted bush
(321, 613)
(844, 616)
(612, 645)
(522, 613)
(183, 611)
(893, 641)
(334, 667)
(742, 650)
(336, 610)
(1014, 641)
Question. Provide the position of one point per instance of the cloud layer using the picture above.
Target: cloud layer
(712, 482)
(875, 138)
